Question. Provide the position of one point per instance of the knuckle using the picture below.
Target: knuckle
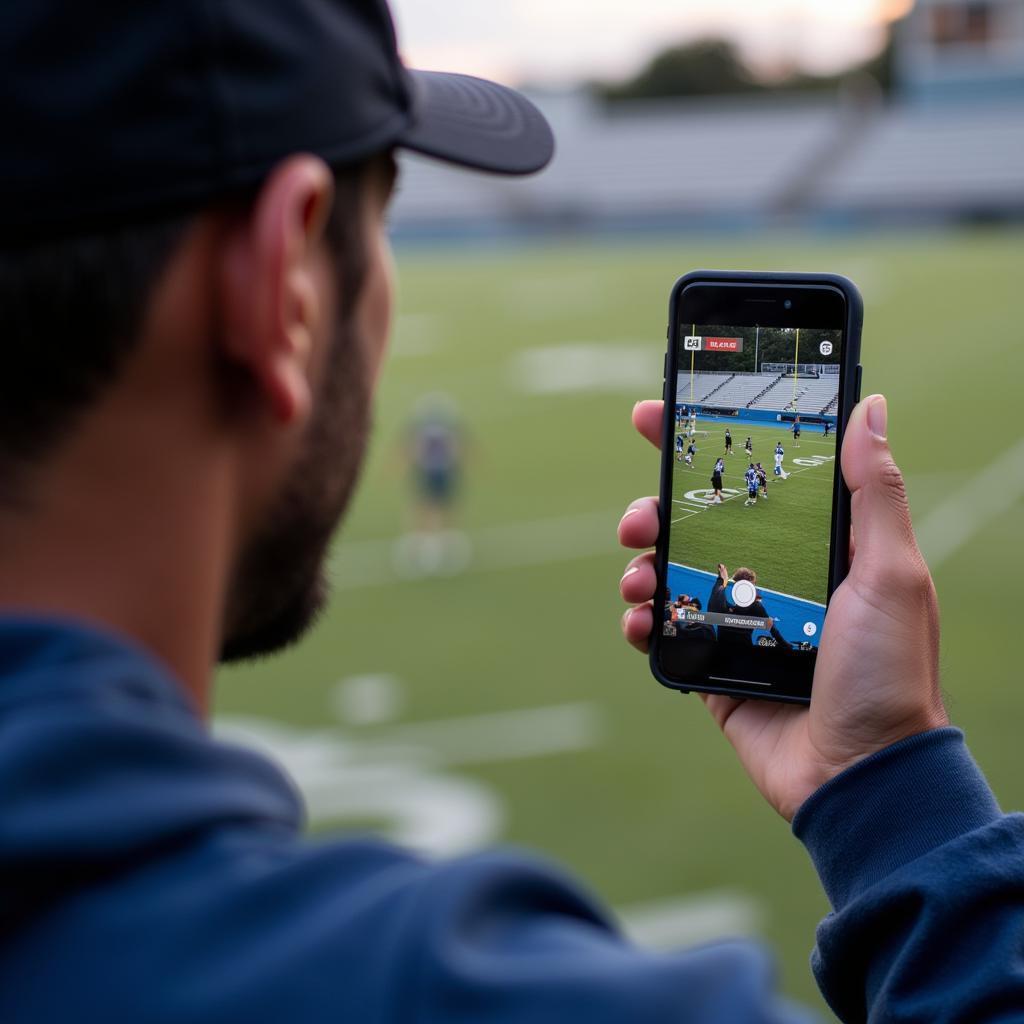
(891, 481)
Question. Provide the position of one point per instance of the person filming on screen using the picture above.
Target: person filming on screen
(718, 602)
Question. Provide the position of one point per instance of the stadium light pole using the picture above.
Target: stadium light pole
(796, 366)
(693, 355)
(757, 340)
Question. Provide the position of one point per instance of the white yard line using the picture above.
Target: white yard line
(971, 508)
(686, 921)
(364, 564)
(504, 735)
(742, 493)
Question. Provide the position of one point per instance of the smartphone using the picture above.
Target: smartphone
(761, 374)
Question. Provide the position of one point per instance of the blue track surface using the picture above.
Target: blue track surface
(790, 613)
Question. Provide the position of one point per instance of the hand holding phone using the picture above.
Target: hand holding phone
(876, 679)
(769, 357)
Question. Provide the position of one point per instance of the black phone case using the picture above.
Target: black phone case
(849, 396)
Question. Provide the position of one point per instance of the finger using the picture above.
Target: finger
(637, 624)
(639, 581)
(880, 512)
(647, 418)
(639, 527)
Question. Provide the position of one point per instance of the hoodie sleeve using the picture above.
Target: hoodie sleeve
(926, 881)
(504, 939)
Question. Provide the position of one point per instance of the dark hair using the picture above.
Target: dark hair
(71, 313)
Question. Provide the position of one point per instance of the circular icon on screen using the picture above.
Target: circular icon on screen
(810, 629)
(825, 348)
(744, 593)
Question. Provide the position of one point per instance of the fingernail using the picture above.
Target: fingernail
(629, 512)
(628, 573)
(877, 416)
(625, 617)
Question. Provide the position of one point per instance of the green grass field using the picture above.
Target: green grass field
(396, 710)
(784, 537)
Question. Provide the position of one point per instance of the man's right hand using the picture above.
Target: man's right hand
(877, 675)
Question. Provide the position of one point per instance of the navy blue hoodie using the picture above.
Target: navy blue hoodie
(149, 873)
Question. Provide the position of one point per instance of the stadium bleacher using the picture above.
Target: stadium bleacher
(812, 394)
(811, 157)
(705, 385)
(633, 166)
(743, 389)
(965, 159)
(765, 391)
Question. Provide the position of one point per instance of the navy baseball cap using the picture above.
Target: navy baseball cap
(119, 109)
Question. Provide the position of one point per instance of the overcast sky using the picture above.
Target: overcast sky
(555, 41)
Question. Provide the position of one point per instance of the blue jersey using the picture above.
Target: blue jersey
(679, 443)
(779, 450)
(751, 478)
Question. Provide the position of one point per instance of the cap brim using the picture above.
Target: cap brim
(478, 124)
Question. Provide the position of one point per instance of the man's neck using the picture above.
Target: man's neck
(131, 551)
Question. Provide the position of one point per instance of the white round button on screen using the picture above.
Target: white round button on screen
(744, 593)
(810, 628)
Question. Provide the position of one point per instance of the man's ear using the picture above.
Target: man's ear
(271, 293)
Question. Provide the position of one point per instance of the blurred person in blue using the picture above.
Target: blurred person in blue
(434, 449)
(195, 295)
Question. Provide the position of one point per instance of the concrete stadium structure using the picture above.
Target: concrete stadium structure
(949, 147)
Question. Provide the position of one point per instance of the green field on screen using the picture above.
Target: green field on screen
(784, 538)
(545, 348)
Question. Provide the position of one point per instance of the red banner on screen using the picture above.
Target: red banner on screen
(723, 344)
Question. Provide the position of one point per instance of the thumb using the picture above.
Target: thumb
(880, 513)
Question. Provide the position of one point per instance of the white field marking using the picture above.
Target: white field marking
(497, 548)
(703, 495)
(973, 506)
(820, 461)
(506, 735)
(401, 777)
(689, 920)
(815, 462)
(585, 367)
(368, 699)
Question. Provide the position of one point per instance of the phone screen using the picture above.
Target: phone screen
(755, 389)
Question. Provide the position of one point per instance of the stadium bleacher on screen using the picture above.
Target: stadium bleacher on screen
(774, 392)
(812, 394)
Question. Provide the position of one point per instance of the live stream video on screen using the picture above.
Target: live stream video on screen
(752, 479)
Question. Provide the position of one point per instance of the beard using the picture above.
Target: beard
(280, 584)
